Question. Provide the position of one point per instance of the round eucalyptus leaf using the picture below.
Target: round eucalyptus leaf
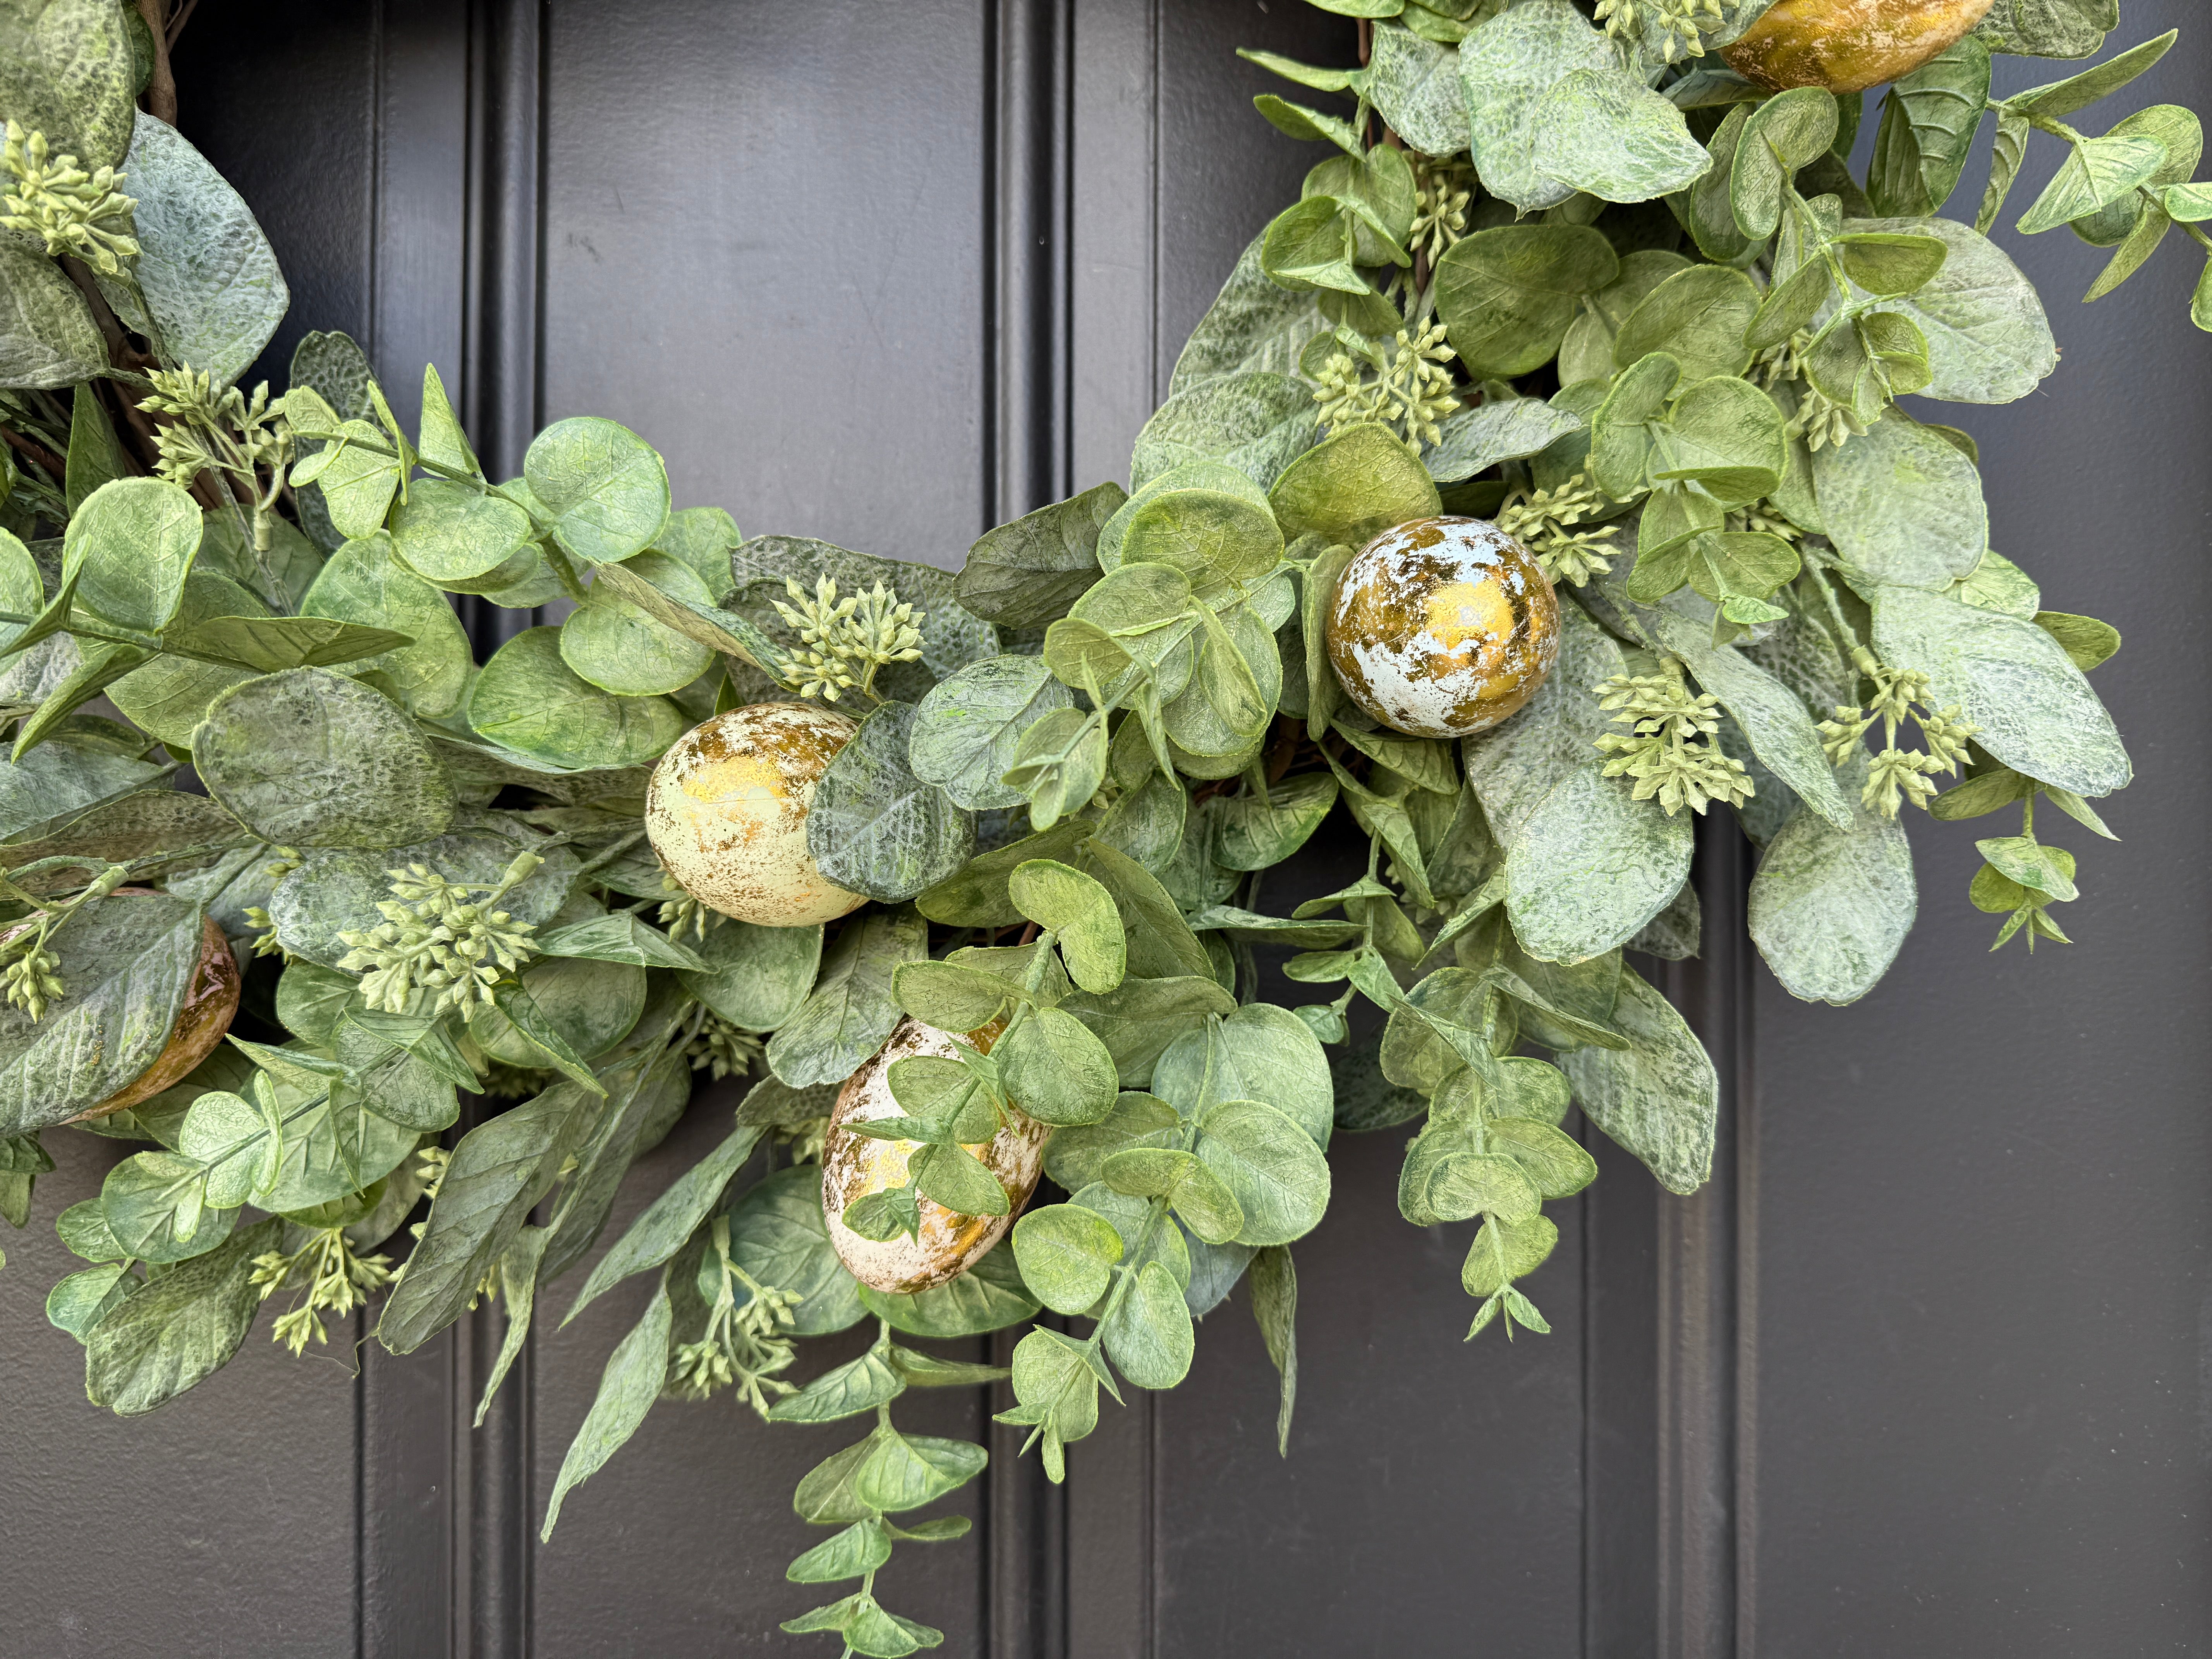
(592, 1005)
(129, 547)
(756, 977)
(875, 827)
(989, 1297)
(447, 530)
(1219, 541)
(169, 696)
(207, 273)
(69, 73)
(1355, 481)
(603, 487)
(701, 537)
(364, 583)
(966, 731)
(777, 1235)
(1273, 1168)
(617, 648)
(310, 758)
(530, 701)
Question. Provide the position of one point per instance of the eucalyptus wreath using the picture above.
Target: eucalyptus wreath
(965, 875)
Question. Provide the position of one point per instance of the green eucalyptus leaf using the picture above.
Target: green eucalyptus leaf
(68, 72)
(309, 758)
(1056, 1070)
(1473, 440)
(627, 1386)
(1414, 85)
(754, 977)
(1586, 865)
(1929, 120)
(1027, 572)
(661, 1228)
(1902, 505)
(1698, 316)
(1253, 324)
(497, 1174)
(988, 1297)
(209, 277)
(447, 531)
(178, 1330)
(1783, 134)
(876, 828)
(603, 486)
(1358, 480)
(1507, 68)
(1603, 131)
(528, 699)
(1659, 1097)
(1831, 906)
(1067, 1255)
(129, 962)
(2015, 681)
(1270, 1165)
(1989, 341)
(1255, 421)
(1508, 294)
(851, 1009)
(1150, 1336)
(128, 548)
(48, 337)
(967, 731)
(619, 648)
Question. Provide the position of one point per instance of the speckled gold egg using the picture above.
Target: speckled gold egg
(1848, 45)
(1442, 627)
(853, 1166)
(726, 812)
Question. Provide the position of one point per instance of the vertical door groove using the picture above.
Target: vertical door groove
(1029, 45)
(1700, 1247)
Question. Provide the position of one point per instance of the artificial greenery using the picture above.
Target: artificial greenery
(1557, 266)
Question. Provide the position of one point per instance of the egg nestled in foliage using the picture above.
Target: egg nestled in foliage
(1848, 45)
(853, 1166)
(727, 812)
(1442, 628)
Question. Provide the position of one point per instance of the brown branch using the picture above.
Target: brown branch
(46, 458)
(177, 23)
(161, 85)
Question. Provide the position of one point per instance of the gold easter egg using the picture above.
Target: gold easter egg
(853, 1166)
(1848, 45)
(727, 812)
(1442, 628)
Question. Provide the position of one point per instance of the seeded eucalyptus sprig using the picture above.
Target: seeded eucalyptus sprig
(70, 210)
(435, 937)
(1672, 748)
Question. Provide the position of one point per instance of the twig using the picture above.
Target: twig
(161, 85)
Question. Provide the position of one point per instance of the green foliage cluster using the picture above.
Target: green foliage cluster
(1556, 268)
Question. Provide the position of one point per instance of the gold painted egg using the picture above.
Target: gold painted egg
(853, 1166)
(1442, 627)
(211, 1003)
(726, 812)
(1848, 45)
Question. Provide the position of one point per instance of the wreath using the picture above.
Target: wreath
(1537, 481)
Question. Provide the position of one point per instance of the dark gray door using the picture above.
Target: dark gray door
(1928, 1369)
